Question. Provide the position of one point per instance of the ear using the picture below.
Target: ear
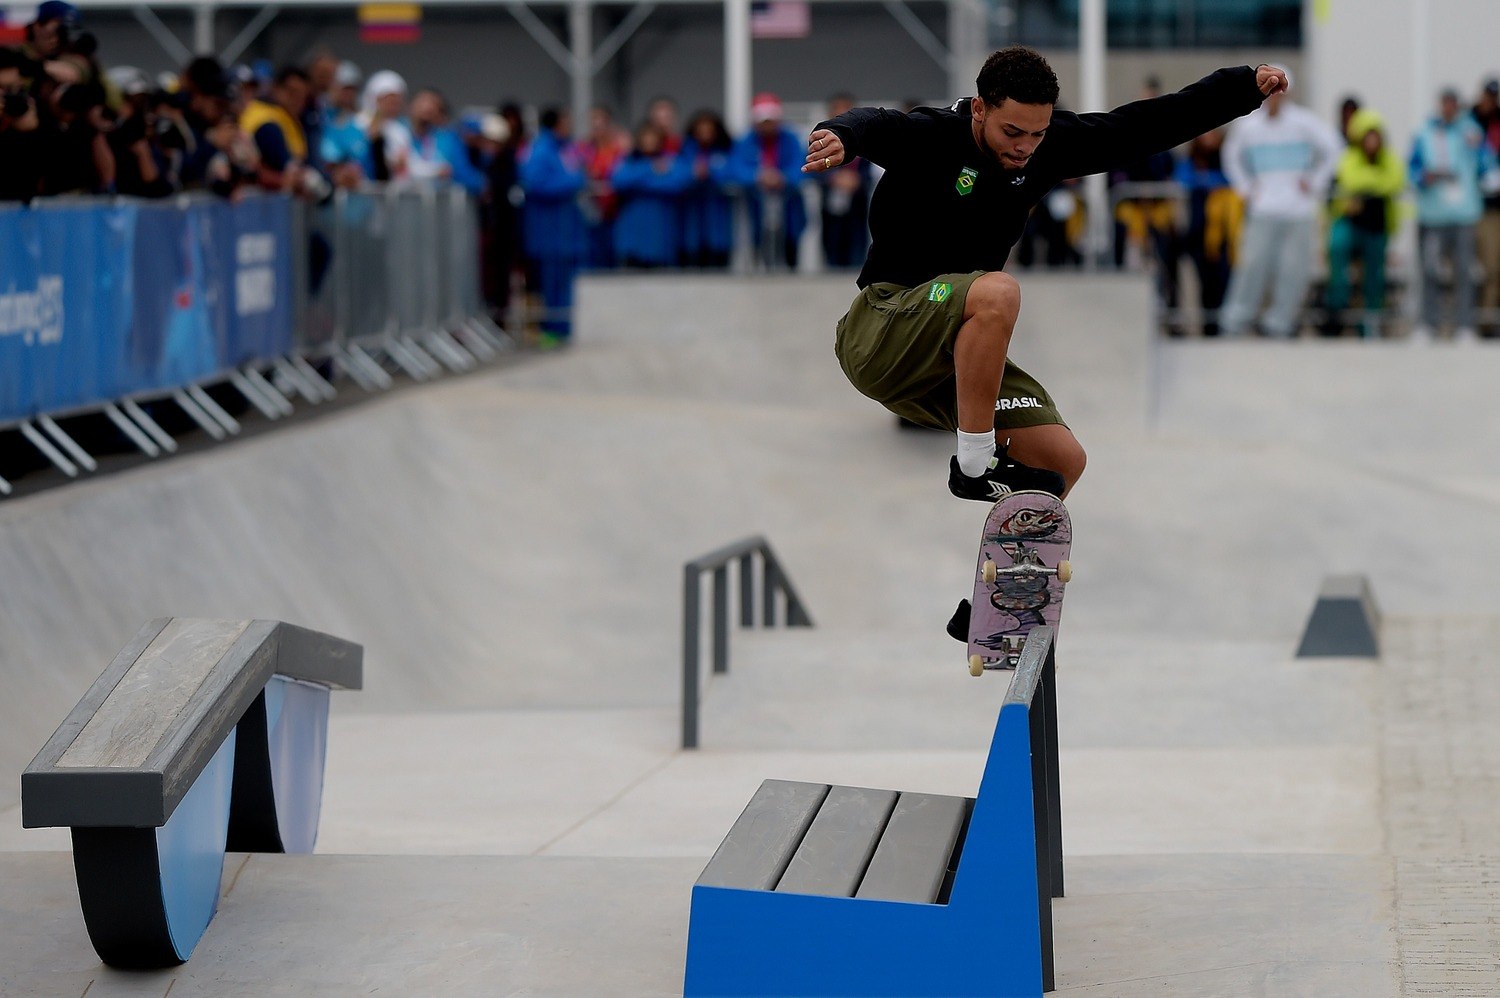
(976, 108)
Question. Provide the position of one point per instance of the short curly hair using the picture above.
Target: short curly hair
(1017, 73)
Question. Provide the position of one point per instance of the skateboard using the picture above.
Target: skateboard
(1018, 584)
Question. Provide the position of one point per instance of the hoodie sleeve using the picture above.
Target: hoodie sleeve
(1096, 143)
(880, 135)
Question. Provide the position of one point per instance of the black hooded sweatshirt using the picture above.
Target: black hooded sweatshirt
(945, 206)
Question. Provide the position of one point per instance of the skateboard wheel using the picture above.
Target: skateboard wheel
(989, 576)
(1065, 572)
(976, 665)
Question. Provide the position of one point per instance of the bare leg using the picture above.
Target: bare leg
(1051, 446)
(990, 311)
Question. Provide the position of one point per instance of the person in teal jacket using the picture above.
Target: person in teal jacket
(707, 206)
(649, 182)
(767, 164)
(1448, 162)
(552, 177)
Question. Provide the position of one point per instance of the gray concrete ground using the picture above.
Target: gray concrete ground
(506, 809)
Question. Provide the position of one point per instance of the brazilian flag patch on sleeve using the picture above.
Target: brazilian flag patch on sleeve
(965, 182)
(939, 292)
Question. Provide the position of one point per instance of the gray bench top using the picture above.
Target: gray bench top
(812, 838)
(136, 741)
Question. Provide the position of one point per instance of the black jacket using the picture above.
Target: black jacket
(922, 223)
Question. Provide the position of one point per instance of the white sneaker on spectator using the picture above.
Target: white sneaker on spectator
(1466, 334)
(1420, 335)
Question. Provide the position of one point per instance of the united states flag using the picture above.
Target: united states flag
(780, 19)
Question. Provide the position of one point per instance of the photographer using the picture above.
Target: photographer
(141, 168)
(19, 141)
(76, 156)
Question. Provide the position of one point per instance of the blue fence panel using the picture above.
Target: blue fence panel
(64, 299)
(255, 246)
(100, 300)
(173, 339)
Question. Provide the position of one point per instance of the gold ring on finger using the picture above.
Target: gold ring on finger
(825, 162)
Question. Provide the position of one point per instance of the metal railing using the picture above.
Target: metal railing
(774, 582)
(251, 294)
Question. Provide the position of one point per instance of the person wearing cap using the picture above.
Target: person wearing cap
(767, 164)
(1487, 116)
(1449, 161)
(929, 333)
(345, 148)
(1281, 160)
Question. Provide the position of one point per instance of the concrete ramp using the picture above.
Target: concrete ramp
(507, 811)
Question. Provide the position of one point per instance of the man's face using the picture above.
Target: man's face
(47, 37)
(663, 114)
(321, 71)
(291, 95)
(1448, 107)
(426, 109)
(10, 80)
(346, 98)
(1010, 131)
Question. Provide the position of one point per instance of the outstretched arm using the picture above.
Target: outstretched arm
(879, 134)
(1114, 139)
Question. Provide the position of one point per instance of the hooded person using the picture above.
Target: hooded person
(381, 116)
(1366, 183)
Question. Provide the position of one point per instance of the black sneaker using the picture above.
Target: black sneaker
(958, 624)
(1004, 476)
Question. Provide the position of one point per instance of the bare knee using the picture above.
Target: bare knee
(1071, 460)
(1050, 446)
(994, 298)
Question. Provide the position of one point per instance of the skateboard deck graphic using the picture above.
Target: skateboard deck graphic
(1019, 581)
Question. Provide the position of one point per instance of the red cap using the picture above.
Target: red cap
(765, 107)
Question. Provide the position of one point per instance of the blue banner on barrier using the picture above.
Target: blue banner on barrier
(64, 300)
(104, 300)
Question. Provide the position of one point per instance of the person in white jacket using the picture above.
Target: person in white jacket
(1281, 160)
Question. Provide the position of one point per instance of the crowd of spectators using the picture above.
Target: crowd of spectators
(1242, 208)
(1248, 208)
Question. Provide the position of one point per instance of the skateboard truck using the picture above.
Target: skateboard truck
(1009, 652)
(1027, 569)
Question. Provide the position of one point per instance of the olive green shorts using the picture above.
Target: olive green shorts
(895, 345)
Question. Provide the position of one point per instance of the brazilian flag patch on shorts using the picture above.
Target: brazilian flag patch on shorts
(939, 292)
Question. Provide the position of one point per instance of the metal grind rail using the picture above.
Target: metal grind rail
(773, 581)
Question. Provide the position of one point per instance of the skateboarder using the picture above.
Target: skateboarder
(928, 335)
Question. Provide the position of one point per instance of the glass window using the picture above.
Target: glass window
(1158, 23)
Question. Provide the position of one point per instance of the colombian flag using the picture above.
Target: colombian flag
(13, 21)
(390, 23)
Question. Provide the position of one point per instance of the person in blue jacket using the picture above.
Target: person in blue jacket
(767, 163)
(649, 182)
(552, 177)
(437, 151)
(707, 206)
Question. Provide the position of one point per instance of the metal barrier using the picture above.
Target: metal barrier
(774, 581)
(119, 304)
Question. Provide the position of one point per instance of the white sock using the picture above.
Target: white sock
(975, 451)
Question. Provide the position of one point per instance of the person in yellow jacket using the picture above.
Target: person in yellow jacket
(1365, 213)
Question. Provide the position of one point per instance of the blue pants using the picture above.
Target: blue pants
(555, 275)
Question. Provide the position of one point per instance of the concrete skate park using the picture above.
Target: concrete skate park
(507, 809)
